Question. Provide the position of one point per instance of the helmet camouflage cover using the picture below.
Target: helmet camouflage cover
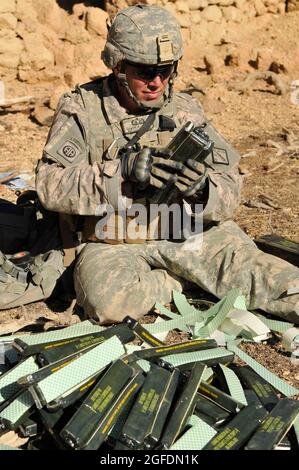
(143, 34)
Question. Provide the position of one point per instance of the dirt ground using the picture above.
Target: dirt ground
(262, 124)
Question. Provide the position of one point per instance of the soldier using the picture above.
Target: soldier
(103, 151)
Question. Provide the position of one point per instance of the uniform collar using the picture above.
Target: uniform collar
(114, 111)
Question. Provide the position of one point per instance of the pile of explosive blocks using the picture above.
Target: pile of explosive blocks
(85, 387)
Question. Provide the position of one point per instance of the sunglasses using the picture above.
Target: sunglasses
(148, 73)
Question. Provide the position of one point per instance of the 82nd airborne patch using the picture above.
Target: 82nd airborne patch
(70, 150)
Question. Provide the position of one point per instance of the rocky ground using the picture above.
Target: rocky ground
(260, 116)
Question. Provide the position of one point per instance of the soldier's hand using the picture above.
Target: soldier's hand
(136, 166)
(191, 178)
(150, 167)
(163, 170)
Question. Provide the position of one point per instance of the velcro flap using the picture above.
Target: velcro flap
(165, 48)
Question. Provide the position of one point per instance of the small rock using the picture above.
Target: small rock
(241, 4)
(43, 115)
(96, 21)
(8, 21)
(252, 153)
(7, 6)
(261, 58)
(232, 13)
(292, 5)
(287, 211)
(77, 34)
(232, 58)
(79, 10)
(249, 10)
(281, 8)
(243, 169)
(183, 20)
(196, 18)
(271, 8)
(182, 6)
(213, 106)
(36, 55)
(50, 14)
(224, 3)
(197, 4)
(213, 13)
(55, 96)
(73, 77)
(212, 63)
(277, 67)
(296, 377)
(259, 7)
(64, 54)
(10, 52)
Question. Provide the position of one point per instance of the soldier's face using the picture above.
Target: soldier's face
(148, 83)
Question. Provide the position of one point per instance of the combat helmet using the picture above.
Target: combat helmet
(144, 34)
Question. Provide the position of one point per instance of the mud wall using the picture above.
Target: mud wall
(50, 40)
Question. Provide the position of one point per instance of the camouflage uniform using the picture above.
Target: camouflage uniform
(80, 170)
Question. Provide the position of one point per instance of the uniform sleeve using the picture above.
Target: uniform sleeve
(65, 181)
(223, 180)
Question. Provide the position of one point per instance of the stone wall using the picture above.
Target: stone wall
(41, 42)
(214, 10)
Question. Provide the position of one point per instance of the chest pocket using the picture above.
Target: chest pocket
(107, 149)
(156, 139)
(99, 148)
(106, 141)
(149, 139)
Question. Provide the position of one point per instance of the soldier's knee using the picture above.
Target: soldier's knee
(116, 308)
(109, 311)
(111, 308)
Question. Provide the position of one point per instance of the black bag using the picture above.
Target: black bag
(31, 255)
(17, 226)
(27, 226)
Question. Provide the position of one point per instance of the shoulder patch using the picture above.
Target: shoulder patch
(70, 150)
(67, 146)
(220, 156)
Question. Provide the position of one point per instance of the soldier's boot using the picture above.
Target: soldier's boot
(21, 286)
